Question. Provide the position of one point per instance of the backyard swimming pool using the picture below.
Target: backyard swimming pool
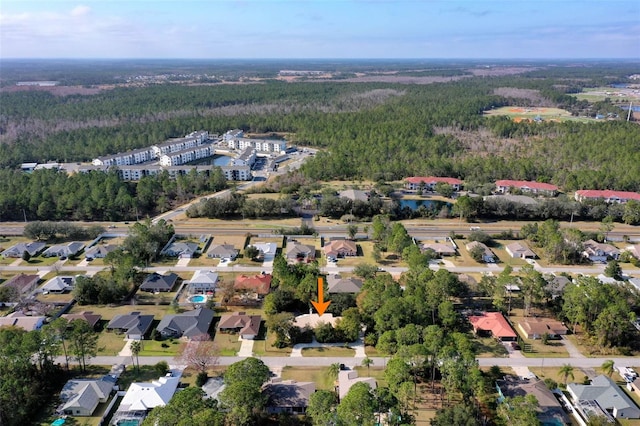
(198, 298)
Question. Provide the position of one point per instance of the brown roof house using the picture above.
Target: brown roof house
(248, 326)
(88, 316)
(20, 320)
(340, 248)
(439, 248)
(520, 250)
(24, 284)
(495, 324)
(257, 286)
(287, 396)
(549, 410)
(535, 328)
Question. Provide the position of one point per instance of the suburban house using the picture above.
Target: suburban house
(267, 250)
(287, 396)
(599, 252)
(493, 324)
(348, 378)
(220, 251)
(556, 284)
(256, 285)
(193, 325)
(20, 320)
(337, 284)
(99, 251)
(634, 250)
(354, 195)
(203, 282)
(64, 250)
(24, 284)
(81, 397)
(505, 186)
(602, 397)
(487, 255)
(520, 250)
(134, 325)
(549, 410)
(248, 326)
(296, 252)
(17, 250)
(88, 316)
(535, 328)
(439, 248)
(156, 282)
(340, 248)
(59, 284)
(429, 183)
(181, 249)
(143, 397)
(607, 195)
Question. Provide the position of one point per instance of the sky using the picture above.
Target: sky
(221, 29)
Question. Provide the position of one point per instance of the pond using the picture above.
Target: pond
(428, 204)
(216, 160)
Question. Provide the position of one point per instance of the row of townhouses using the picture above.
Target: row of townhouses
(137, 172)
(143, 155)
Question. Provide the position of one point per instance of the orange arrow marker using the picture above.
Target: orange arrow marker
(321, 305)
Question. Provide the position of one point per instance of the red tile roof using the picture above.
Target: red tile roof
(607, 193)
(432, 179)
(493, 322)
(527, 184)
(260, 283)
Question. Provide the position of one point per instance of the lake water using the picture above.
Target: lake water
(429, 204)
(216, 160)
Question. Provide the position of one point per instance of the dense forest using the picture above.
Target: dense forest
(381, 131)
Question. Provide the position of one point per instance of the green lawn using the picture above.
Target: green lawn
(227, 344)
(155, 348)
(332, 351)
(487, 347)
(110, 343)
(108, 312)
(318, 375)
(264, 347)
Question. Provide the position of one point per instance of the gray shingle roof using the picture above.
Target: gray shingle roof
(188, 324)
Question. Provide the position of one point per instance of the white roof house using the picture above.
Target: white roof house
(146, 396)
(203, 281)
(67, 250)
(348, 378)
(59, 284)
(607, 394)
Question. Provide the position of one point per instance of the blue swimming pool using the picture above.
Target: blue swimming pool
(198, 298)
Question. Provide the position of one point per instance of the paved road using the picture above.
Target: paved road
(279, 362)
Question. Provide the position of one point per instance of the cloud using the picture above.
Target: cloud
(80, 10)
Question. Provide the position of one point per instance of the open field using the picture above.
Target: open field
(109, 311)
(519, 114)
(596, 94)
(155, 348)
(110, 343)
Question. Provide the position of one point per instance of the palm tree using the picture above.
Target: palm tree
(136, 347)
(566, 371)
(367, 362)
(607, 367)
(334, 369)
